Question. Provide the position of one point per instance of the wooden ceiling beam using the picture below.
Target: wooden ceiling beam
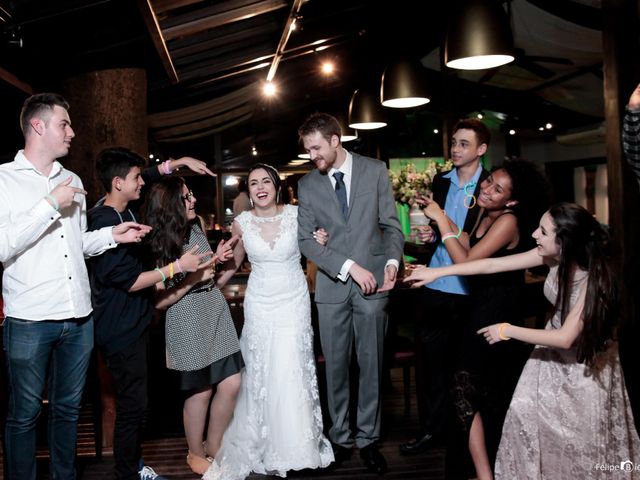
(207, 22)
(151, 21)
(163, 6)
(11, 79)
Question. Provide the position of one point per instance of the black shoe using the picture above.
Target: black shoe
(341, 454)
(373, 459)
(419, 445)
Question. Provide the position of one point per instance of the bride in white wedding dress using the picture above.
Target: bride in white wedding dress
(277, 422)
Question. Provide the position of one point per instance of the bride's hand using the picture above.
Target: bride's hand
(224, 250)
(321, 236)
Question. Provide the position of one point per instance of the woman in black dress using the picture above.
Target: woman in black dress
(512, 199)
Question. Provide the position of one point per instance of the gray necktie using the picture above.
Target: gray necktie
(341, 192)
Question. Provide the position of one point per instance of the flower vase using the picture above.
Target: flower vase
(417, 222)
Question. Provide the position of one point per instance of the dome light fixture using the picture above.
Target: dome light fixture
(480, 38)
(404, 85)
(365, 111)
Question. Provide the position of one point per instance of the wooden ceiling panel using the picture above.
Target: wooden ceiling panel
(178, 27)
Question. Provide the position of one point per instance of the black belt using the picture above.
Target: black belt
(208, 288)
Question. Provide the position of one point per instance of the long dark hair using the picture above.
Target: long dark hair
(530, 188)
(584, 244)
(165, 212)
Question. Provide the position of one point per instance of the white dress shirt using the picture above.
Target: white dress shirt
(42, 250)
(347, 168)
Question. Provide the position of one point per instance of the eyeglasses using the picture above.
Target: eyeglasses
(188, 197)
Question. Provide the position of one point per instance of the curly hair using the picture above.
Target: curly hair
(165, 212)
(531, 189)
(584, 244)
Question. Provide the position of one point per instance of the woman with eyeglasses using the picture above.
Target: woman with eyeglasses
(277, 423)
(201, 340)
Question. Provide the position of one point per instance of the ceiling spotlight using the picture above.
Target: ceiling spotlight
(151, 155)
(436, 131)
(327, 68)
(480, 116)
(548, 126)
(231, 181)
(304, 155)
(541, 129)
(269, 89)
(254, 151)
(512, 132)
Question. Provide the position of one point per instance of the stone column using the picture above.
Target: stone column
(108, 108)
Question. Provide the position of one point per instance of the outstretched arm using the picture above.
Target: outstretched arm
(422, 275)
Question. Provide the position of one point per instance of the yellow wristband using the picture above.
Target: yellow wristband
(501, 329)
(171, 270)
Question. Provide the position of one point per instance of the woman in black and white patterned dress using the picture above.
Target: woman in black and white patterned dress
(202, 344)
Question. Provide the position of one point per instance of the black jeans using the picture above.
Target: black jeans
(436, 335)
(129, 370)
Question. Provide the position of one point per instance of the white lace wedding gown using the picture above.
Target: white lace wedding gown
(277, 423)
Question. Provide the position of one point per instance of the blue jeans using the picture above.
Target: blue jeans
(59, 349)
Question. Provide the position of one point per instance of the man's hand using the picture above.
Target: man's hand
(364, 278)
(193, 164)
(390, 274)
(634, 100)
(64, 193)
(130, 232)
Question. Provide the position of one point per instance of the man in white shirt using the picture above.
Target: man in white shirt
(48, 331)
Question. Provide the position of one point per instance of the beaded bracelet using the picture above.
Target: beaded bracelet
(166, 167)
(500, 330)
(164, 277)
(177, 262)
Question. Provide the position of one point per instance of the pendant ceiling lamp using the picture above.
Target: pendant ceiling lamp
(348, 134)
(479, 36)
(365, 111)
(404, 85)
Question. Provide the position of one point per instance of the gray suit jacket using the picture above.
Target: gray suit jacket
(369, 236)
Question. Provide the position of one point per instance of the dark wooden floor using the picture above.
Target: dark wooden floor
(165, 451)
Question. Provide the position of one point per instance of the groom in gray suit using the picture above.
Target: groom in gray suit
(350, 196)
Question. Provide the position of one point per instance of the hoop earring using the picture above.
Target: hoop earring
(251, 202)
(278, 196)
